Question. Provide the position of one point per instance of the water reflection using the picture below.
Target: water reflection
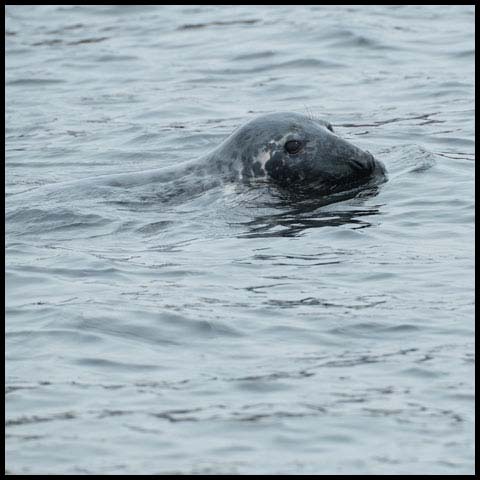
(298, 212)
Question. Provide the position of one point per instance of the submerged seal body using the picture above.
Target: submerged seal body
(294, 151)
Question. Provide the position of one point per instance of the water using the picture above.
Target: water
(215, 332)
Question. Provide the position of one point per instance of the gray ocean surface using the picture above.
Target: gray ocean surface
(216, 332)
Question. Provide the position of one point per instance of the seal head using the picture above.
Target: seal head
(297, 152)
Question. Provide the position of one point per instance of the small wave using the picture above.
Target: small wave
(36, 82)
(35, 220)
(88, 40)
(377, 123)
(67, 29)
(116, 58)
(115, 365)
(349, 39)
(404, 159)
(254, 56)
(191, 26)
(25, 420)
(155, 227)
(305, 63)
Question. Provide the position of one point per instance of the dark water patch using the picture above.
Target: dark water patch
(273, 416)
(351, 359)
(67, 29)
(34, 419)
(178, 415)
(307, 63)
(25, 438)
(373, 329)
(116, 58)
(254, 56)
(156, 227)
(425, 117)
(351, 39)
(49, 42)
(273, 376)
(262, 387)
(192, 26)
(304, 301)
(110, 98)
(104, 364)
(457, 155)
(88, 40)
(33, 82)
(470, 53)
(316, 302)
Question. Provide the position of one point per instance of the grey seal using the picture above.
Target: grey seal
(290, 151)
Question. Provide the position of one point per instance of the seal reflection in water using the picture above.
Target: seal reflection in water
(295, 152)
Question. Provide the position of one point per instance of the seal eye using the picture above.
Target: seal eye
(329, 126)
(293, 146)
